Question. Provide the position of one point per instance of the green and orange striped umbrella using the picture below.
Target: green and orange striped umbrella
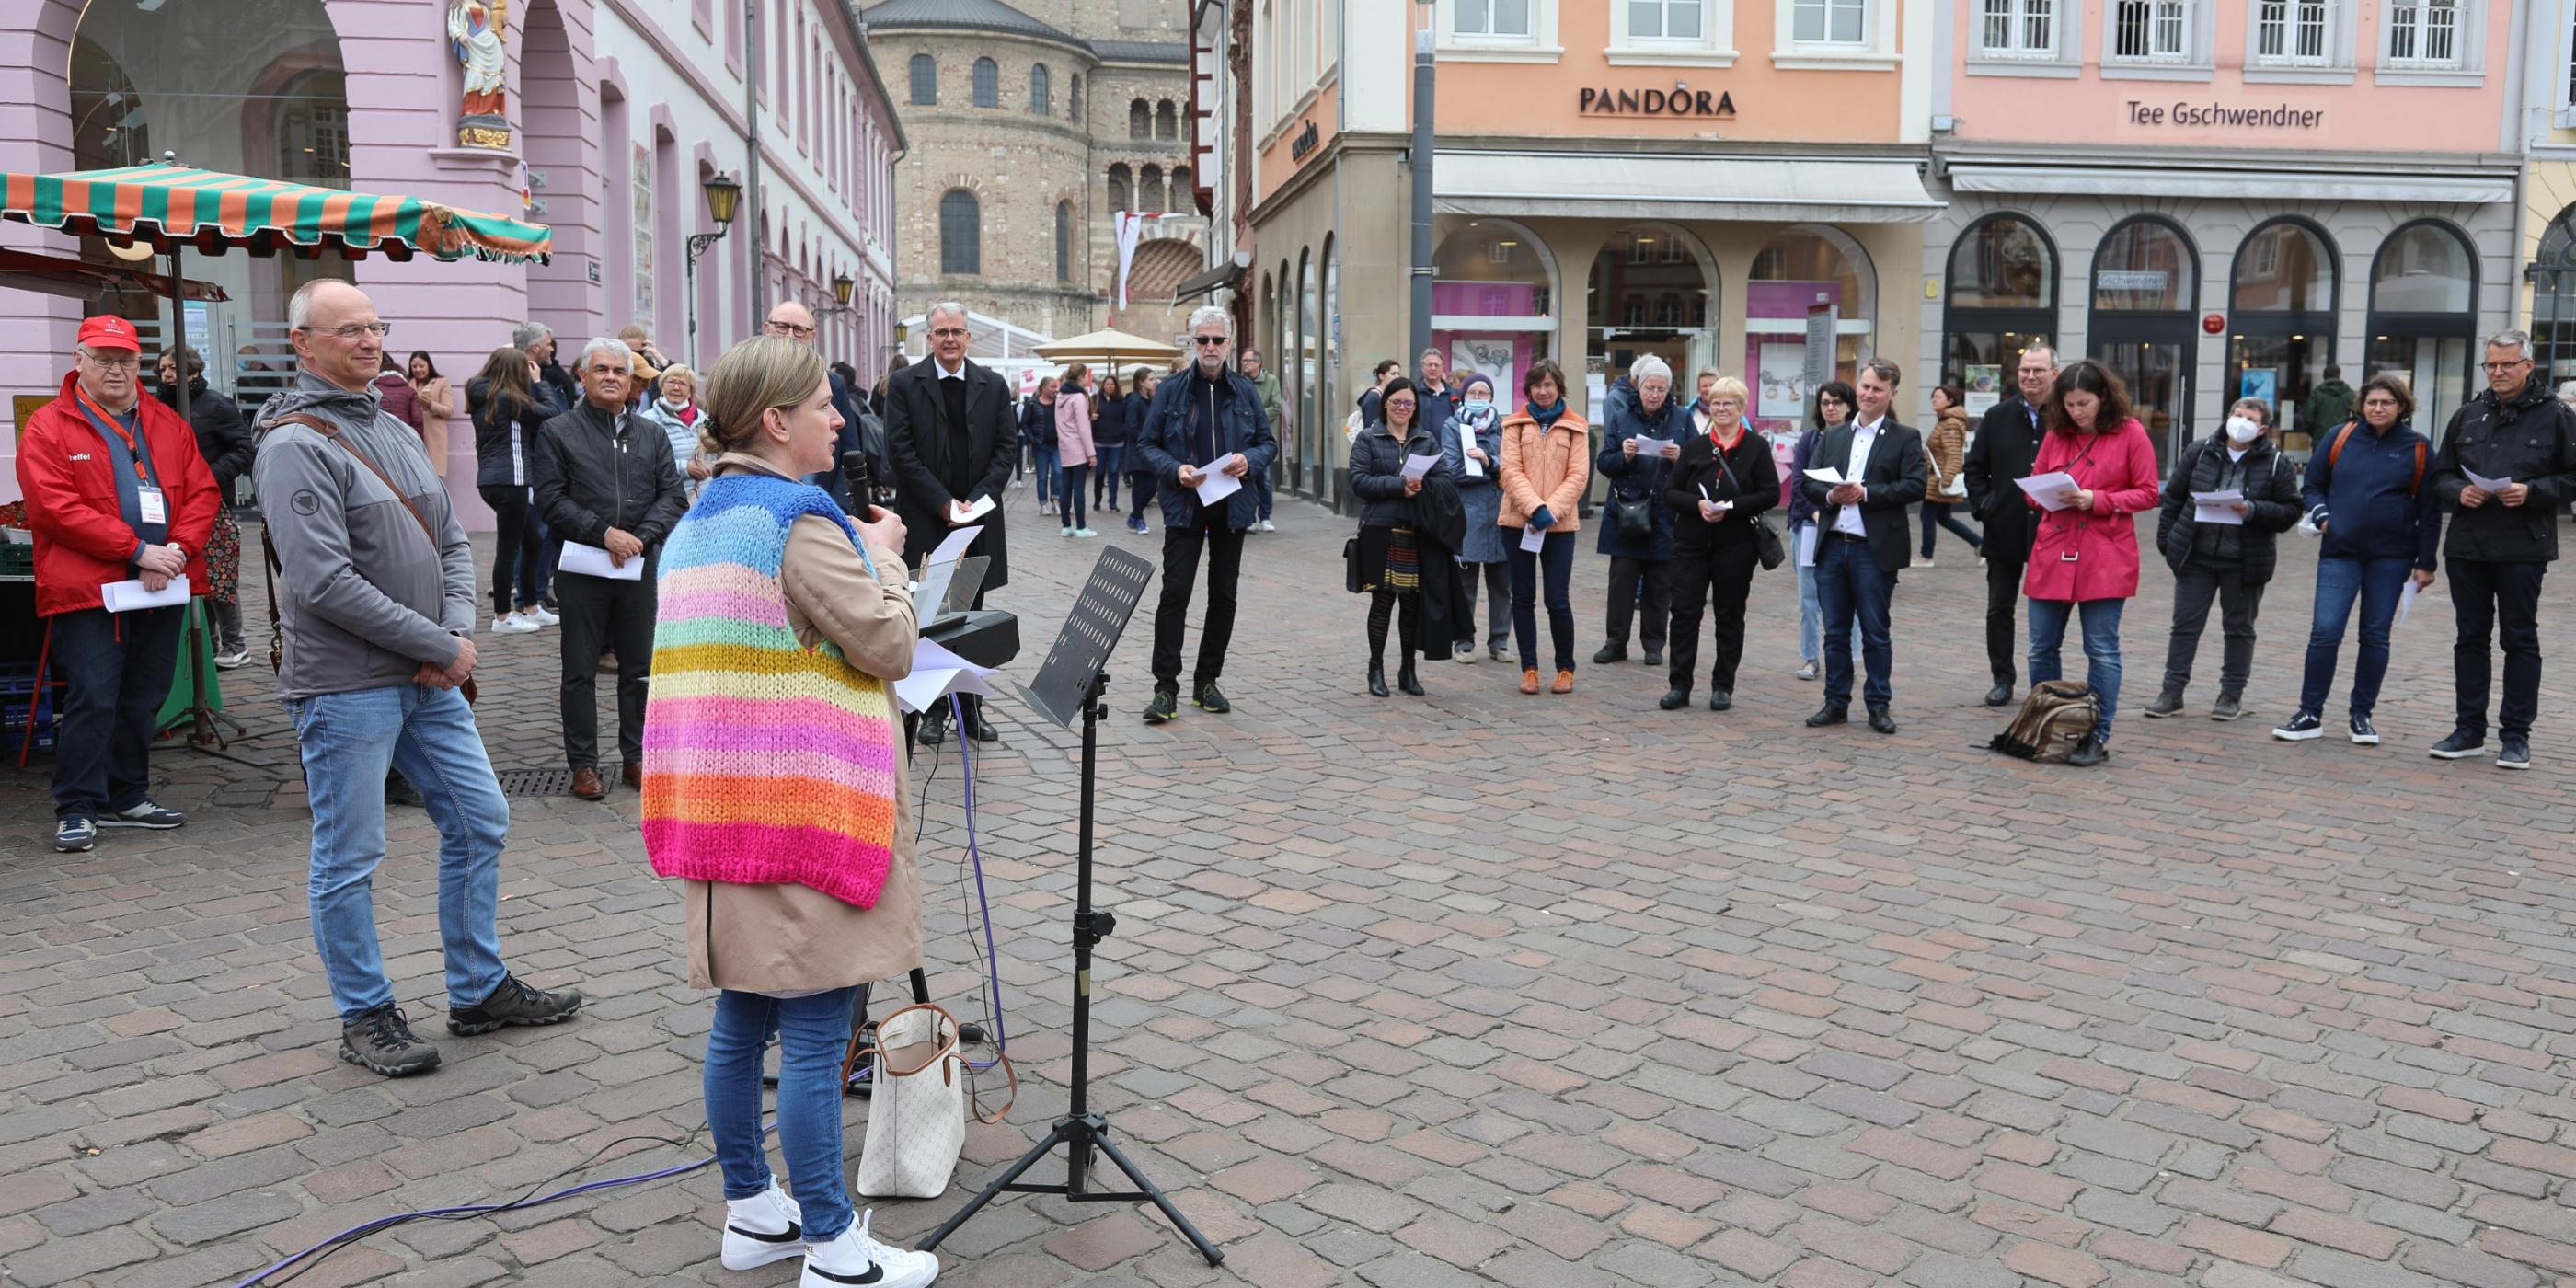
(162, 205)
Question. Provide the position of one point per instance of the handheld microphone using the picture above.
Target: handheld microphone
(865, 488)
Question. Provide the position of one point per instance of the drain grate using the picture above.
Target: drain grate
(523, 783)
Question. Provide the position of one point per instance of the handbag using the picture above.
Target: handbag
(1956, 487)
(1635, 516)
(917, 1103)
(1351, 564)
(1766, 539)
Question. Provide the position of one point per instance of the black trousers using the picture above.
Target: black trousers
(1181, 548)
(1632, 580)
(518, 548)
(2238, 602)
(1719, 578)
(116, 670)
(2004, 564)
(604, 612)
(2502, 599)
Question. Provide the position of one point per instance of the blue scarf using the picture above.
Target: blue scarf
(1546, 416)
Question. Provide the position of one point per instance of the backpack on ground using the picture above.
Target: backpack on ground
(2056, 716)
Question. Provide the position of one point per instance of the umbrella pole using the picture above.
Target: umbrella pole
(201, 714)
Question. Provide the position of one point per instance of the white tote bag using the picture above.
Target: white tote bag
(916, 1105)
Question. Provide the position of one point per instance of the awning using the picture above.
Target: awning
(1221, 277)
(166, 204)
(2238, 185)
(1864, 190)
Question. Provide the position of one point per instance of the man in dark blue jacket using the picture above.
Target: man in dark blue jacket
(2503, 541)
(1202, 423)
(2368, 490)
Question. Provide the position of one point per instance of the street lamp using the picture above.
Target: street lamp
(724, 200)
(841, 288)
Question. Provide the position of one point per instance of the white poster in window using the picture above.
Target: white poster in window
(1783, 380)
(1486, 356)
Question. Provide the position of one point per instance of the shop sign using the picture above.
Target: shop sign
(1681, 101)
(2220, 116)
(1305, 143)
(2143, 279)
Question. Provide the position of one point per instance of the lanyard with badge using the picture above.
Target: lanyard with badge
(150, 506)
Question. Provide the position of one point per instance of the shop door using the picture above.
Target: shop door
(2154, 361)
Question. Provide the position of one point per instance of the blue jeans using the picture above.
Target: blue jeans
(1938, 513)
(1069, 485)
(2377, 583)
(2101, 618)
(1261, 489)
(1553, 568)
(1104, 476)
(349, 740)
(1049, 479)
(1811, 615)
(116, 670)
(813, 1035)
(1852, 589)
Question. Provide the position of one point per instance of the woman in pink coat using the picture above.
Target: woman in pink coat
(2085, 558)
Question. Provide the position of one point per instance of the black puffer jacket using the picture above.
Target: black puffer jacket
(2529, 438)
(223, 437)
(2271, 487)
(1377, 474)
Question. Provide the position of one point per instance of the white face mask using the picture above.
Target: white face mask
(2242, 430)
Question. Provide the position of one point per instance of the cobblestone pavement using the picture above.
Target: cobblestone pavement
(1422, 992)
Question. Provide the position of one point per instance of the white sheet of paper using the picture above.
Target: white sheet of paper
(126, 596)
(1467, 443)
(1651, 447)
(1417, 466)
(983, 505)
(1533, 539)
(2491, 485)
(1807, 546)
(954, 545)
(591, 561)
(1829, 476)
(2052, 491)
(2218, 507)
(2405, 602)
(1214, 487)
(936, 673)
(932, 590)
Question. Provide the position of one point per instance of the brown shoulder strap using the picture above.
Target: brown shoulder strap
(330, 431)
(2334, 454)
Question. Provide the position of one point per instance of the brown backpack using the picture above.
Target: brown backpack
(2053, 719)
(2334, 455)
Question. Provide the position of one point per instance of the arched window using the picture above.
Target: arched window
(961, 233)
(1073, 98)
(1140, 120)
(1041, 94)
(2146, 287)
(2553, 297)
(1149, 188)
(988, 83)
(1064, 241)
(1799, 268)
(925, 79)
(2423, 317)
(1647, 294)
(1491, 284)
(2002, 297)
(1181, 193)
(2281, 323)
(1167, 122)
(1122, 189)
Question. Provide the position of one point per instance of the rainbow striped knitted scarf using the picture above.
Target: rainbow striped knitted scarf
(765, 762)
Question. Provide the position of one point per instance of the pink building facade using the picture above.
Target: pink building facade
(618, 111)
(2225, 197)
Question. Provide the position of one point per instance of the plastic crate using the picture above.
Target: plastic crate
(17, 679)
(17, 561)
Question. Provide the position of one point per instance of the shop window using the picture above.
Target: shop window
(2145, 293)
(2553, 298)
(1798, 271)
(1326, 380)
(1041, 94)
(2018, 29)
(988, 83)
(925, 80)
(1647, 294)
(2423, 317)
(2002, 299)
(1493, 302)
(2281, 340)
(961, 233)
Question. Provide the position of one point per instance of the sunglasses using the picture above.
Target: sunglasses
(1209, 341)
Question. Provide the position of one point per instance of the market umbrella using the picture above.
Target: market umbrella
(1108, 348)
(80, 279)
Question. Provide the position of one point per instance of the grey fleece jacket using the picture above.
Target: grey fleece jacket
(365, 597)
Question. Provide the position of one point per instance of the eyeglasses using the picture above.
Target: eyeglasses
(353, 330)
(949, 333)
(1726, 402)
(790, 328)
(1209, 341)
(2506, 366)
(128, 361)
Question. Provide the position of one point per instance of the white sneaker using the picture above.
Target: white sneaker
(1084, 532)
(541, 615)
(856, 1258)
(1807, 671)
(512, 624)
(761, 1229)
(1927, 562)
(1466, 653)
(232, 660)
(1065, 531)
(1268, 526)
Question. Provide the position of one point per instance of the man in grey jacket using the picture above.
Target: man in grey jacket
(376, 607)
(605, 479)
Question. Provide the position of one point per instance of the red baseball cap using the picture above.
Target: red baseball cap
(110, 332)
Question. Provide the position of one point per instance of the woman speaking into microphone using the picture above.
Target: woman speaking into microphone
(773, 787)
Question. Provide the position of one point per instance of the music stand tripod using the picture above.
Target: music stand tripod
(1090, 632)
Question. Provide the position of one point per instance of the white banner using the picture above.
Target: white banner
(1129, 225)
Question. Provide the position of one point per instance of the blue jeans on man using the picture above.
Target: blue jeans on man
(116, 670)
(2101, 626)
(2377, 584)
(1851, 588)
(813, 1034)
(1261, 489)
(349, 741)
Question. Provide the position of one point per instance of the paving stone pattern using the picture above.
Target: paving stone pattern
(1410, 993)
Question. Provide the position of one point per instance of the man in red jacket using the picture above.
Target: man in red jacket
(115, 491)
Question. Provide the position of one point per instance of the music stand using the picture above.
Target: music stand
(1069, 684)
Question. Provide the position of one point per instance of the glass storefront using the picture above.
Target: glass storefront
(1793, 273)
(2145, 289)
(2423, 319)
(1492, 305)
(1649, 293)
(2282, 323)
(2002, 299)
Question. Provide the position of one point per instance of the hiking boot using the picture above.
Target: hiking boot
(2230, 706)
(2301, 727)
(1212, 699)
(382, 1040)
(2460, 746)
(514, 1003)
(1165, 705)
(2167, 704)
